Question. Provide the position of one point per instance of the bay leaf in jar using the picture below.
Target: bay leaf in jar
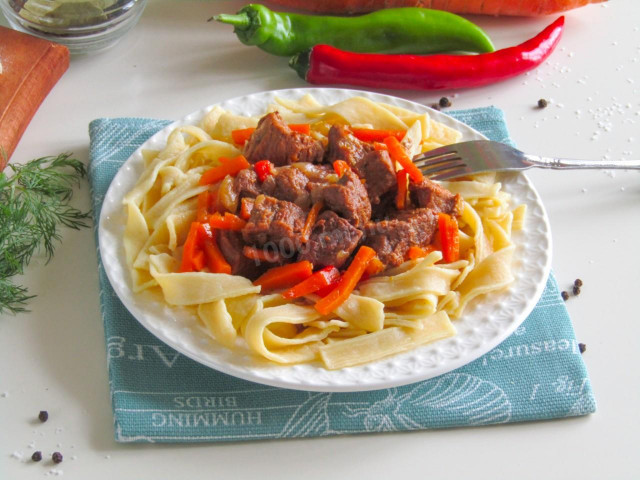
(65, 13)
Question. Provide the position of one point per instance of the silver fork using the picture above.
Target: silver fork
(479, 156)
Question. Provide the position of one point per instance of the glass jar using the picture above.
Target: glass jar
(84, 26)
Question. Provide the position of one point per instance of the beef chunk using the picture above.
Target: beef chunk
(246, 184)
(429, 194)
(379, 173)
(273, 140)
(291, 185)
(392, 238)
(331, 242)
(275, 222)
(344, 146)
(231, 244)
(348, 197)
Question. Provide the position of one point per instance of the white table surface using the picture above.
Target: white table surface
(174, 62)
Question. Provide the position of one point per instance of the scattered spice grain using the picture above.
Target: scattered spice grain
(444, 102)
(37, 456)
(564, 295)
(43, 416)
(576, 290)
(577, 283)
(582, 347)
(542, 103)
(56, 457)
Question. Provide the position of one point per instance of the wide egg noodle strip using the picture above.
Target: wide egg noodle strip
(390, 341)
(290, 313)
(493, 273)
(218, 322)
(194, 288)
(362, 312)
(355, 110)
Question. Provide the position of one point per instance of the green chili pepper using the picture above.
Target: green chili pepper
(393, 30)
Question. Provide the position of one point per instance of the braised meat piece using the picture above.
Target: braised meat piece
(273, 140)
(246, 184)
(429, 194)
(231, 244)
(275, 222)
(291, 185)
(392, 238)
(344, 146)
(347, 197)
(331, 242)
(379, 173)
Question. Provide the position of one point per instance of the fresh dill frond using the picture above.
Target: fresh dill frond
(34, 204)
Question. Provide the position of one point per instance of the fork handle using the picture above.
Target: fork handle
(562, 163)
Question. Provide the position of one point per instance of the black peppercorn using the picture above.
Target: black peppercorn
(578, 282)
(43, 415)
(542, 103)
(582, 347)
(37, 456)
(564, 295)
(56, 457)
(576, 290)
(435, 106)
(444, 102)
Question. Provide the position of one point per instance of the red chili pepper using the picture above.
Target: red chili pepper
(324, 64)
(263, 169)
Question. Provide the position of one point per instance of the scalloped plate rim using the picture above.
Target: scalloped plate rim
(359, 378)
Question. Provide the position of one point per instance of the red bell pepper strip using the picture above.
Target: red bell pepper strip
(241, 136)
(349, 280)
(373, 135)
(228, 166)
(340, 167)
(399, 154)
(227, 222)
(284, 276)
(320, 279)
(324, 64)
(263, 169)
(449, 237)
(402, 179)
(312, 216)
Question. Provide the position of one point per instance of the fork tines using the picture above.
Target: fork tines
(441, 165)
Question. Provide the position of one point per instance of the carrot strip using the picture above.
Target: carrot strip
(260, 254)
(301, 128)
(401, 195)
(380, 146)
(190, 248)
(416, 252)
(215, 259)
(449, 237)
(349, 280)
(227, 222)
(312, 216)
(228, 166)
(340, 167)
(246, 205)
(322, 278)
(373, 135)
(399, 154)
(374, 267)
(285, 276)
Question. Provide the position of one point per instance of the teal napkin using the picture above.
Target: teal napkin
(159, 395)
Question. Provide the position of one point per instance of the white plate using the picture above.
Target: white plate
(484, 325)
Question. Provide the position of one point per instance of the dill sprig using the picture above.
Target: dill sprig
(34, 204)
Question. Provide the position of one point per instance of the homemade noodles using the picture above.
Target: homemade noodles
(395, 311)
